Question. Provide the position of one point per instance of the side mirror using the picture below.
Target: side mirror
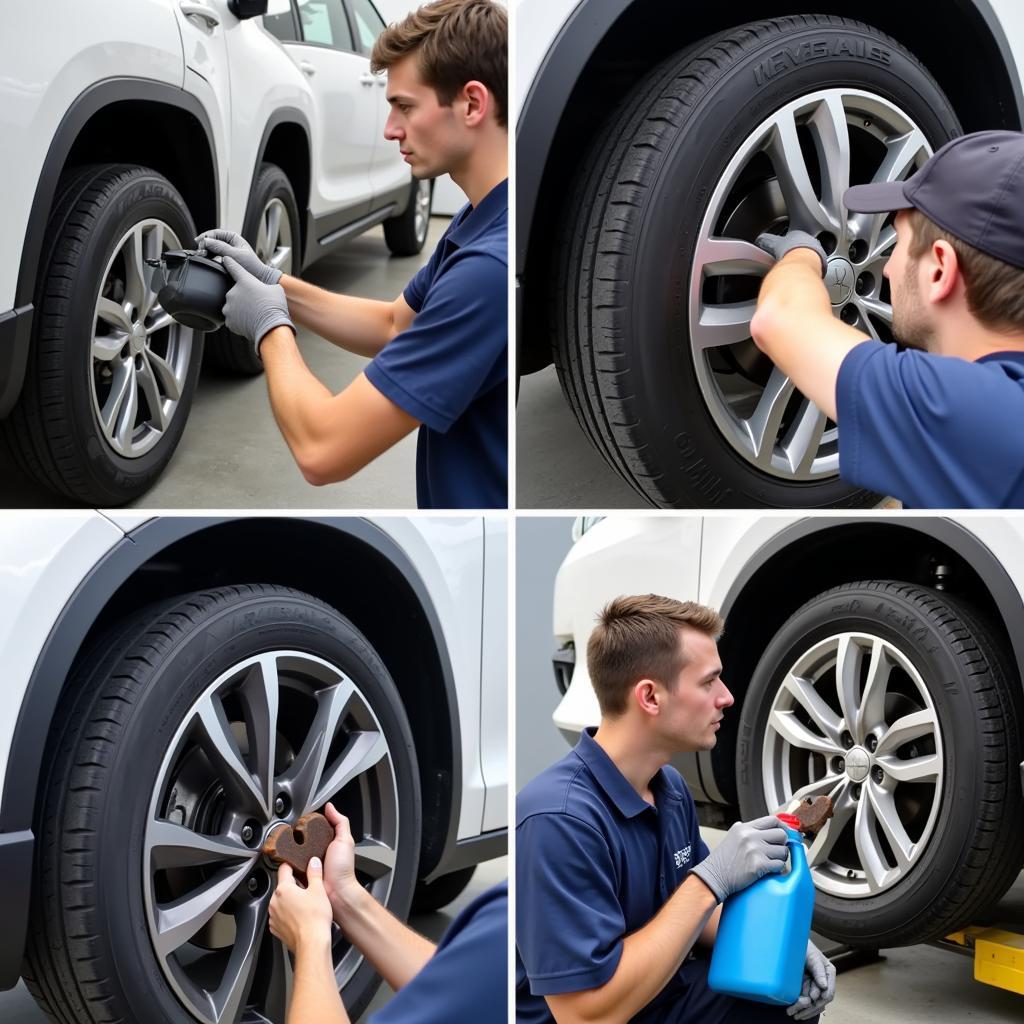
(243, 9)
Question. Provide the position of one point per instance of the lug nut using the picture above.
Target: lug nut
(847, 740)
(865, 282)
(848, 314)
(247, 834)
(856, 792)
(872, 743)
(878, 775)
(838, 764)
(253, 884)
(281, 804)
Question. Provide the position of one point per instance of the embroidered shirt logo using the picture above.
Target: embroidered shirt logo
(683, 856)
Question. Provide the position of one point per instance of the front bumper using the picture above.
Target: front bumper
(15, 331)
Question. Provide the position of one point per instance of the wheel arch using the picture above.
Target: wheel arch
(285, 143)
(606, 45)
(169, 556)
(814, 555)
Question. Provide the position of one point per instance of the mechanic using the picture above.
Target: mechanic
(463, 978)
(439, 351)
(617, 897)
(933, 424)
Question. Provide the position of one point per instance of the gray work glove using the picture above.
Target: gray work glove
(779, 245)
(253, 308)
(819, 985)
(750, 850)
(222, 242)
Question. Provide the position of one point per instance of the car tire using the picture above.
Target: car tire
(920, 756)
(77, 378)
(650, 307)
(406, 234)
(161, 755)
(431, 896)
(272, 227)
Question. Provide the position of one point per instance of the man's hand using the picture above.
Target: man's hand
(819, 985)
(301, 917)
(749, 851)
(222, 242)
(340, 862)
(779, 245)
(253, 308)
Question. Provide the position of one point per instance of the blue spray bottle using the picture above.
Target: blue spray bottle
(761, 946)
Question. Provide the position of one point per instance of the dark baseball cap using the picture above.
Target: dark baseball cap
(973, 187)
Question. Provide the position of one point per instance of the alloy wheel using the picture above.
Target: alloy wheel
(139, 356)
(792, 172)
(274, 238)
(422, 200)
(853, 720)
(274, 737)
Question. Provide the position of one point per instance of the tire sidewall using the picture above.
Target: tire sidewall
(139, 197)
(667, 233)
(903, 625)
(183, 675)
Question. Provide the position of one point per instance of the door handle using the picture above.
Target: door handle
(192, 9)
(306, 68)
(366, 79)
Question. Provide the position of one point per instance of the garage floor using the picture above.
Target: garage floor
(556, 466)
(18, 1007)
(922, 984)
(232, 454)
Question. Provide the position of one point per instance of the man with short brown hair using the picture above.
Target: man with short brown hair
(933, 432)
(615, 888)
(439, 352)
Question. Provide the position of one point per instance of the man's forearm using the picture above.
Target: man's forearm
(362, 326)
(395, 950)
(650, 957)
(315, 997)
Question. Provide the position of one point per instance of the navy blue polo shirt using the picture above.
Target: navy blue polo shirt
(450, 368)
(594, 862)
(933, 431)
(467, 977)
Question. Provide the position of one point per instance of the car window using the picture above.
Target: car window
(369, 24)
(324, 22)
(282, 25)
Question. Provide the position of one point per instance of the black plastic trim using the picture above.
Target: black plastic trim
(16, 871)
(89, 103)
(992, 23)
(468, 852)
(15, 332)
(70, 630)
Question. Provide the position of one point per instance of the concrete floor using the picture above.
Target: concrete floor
(232, 454)
(556, 466)
(18, 1007)
(921, 984)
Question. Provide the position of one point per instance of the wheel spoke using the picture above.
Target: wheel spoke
(259, 695)
(722, 324)
(868, 849)
(793, 731)
(114, 314)
(803, 438)
(281, 257)
(363, 751)
(117, 417)
(843, 806)
(165, 374)
(903, 730)
(175, 846)
(766, 421)
(914, 769)
(805, 693)
(107, 347)
(178, 921)
(159, 319)
(220, 745)
(717, 257)
(831, 135)
(230, 998)
(273, 229)
(147, 382)
(806, 211)
(887, 816)
(880, 309)
(871, 713)
(304, 775)
(282, 981)
(374, 858)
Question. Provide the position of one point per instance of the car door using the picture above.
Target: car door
(347, 110)
(388, 171)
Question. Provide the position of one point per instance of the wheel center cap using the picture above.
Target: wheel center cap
(839, 280)
(858, 761)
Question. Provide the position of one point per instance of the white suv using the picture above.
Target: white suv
(174, 688)
(135, 123)
(875, 660)
(654, 142)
